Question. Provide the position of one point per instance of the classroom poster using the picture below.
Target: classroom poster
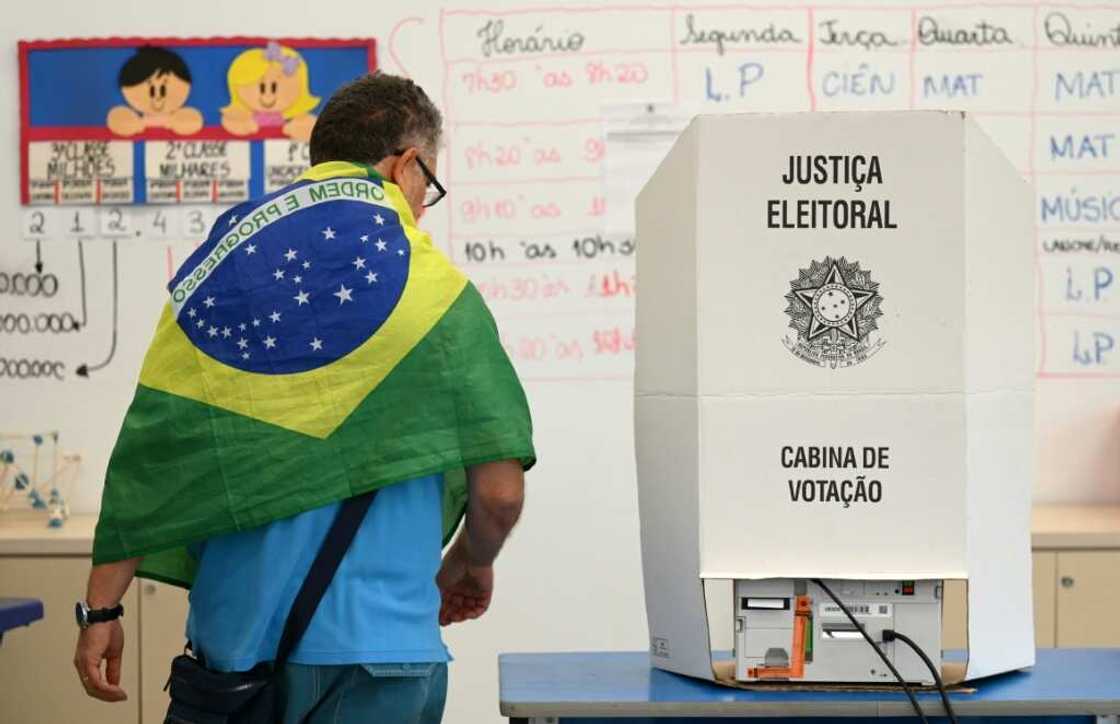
(173, 120)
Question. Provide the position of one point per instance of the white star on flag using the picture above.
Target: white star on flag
(275, 316)
(242, 326)
(359, 263)
(381, 245)
(251, 249)
(244, 355)
(269, 342)
(297, 279)
(213, 331)
(328, 233)
(242, 343)
(291, 255)
(256, 322)
(208, 301)
(371, 277)
(201, 324)
(343, 294)
(365, 238)
(226, 332)
(307, 265)
(316, 344)
(278, 274)
(232, 220)
(379, 219)
(301, 298)
(400, 252)
(191, 312)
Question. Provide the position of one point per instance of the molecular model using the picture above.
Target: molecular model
(36, 475)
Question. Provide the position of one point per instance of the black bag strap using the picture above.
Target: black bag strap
(327, 560)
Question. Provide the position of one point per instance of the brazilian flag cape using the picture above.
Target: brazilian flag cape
(316, 346)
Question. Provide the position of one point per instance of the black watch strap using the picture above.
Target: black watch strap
(87, 616)
(101, 615)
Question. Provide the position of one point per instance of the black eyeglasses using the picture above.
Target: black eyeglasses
(434, 191)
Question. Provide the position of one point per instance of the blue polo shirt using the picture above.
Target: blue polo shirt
(381, 607)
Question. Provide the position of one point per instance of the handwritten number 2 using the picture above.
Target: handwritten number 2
(116, 220)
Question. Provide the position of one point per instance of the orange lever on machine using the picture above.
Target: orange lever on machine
(803, 610)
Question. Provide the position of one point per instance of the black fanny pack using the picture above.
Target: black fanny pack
(200, 695)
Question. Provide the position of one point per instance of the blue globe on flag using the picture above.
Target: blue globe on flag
(302, 292)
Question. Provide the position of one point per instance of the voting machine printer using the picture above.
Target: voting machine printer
(791, 630)
(833, 397)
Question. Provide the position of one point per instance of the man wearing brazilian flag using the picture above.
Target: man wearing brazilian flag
(315, 347)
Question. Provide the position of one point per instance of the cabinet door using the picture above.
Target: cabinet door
(163, 620)
(954, 611)
(1088, 588)
(1045, 578)
(38, 684)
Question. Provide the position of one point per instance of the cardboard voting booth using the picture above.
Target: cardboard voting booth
(834, 375)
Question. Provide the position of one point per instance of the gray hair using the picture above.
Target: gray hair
(374, 116)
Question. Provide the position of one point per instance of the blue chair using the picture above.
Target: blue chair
(18, 612)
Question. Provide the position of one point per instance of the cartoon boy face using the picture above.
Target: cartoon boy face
(158, 93)
(276, 90)
(155, 81)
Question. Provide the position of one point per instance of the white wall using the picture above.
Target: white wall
(570, 577)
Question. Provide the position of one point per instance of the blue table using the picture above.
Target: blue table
(1065, 685)
(18, 612)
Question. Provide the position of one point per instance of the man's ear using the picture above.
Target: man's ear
(396, 173)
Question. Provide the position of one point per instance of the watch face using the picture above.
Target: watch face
(79, 614)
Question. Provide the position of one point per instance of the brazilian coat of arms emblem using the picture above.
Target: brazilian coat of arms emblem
(834, 307)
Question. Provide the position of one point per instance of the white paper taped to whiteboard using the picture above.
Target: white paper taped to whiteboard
(638, 135)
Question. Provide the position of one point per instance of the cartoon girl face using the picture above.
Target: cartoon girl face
(270, 81)
(275, 91)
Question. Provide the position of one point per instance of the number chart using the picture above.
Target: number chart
(173, 120)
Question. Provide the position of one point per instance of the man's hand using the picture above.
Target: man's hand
(466, 578)
(101, 642)
(104, 641)
(465, 589)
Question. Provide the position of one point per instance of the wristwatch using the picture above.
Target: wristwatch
(87, 616)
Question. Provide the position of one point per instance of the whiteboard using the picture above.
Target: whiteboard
(527, 90)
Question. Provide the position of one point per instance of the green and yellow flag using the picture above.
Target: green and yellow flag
(316, 346)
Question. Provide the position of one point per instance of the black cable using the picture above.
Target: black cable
(892, 635)
(862, 630)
